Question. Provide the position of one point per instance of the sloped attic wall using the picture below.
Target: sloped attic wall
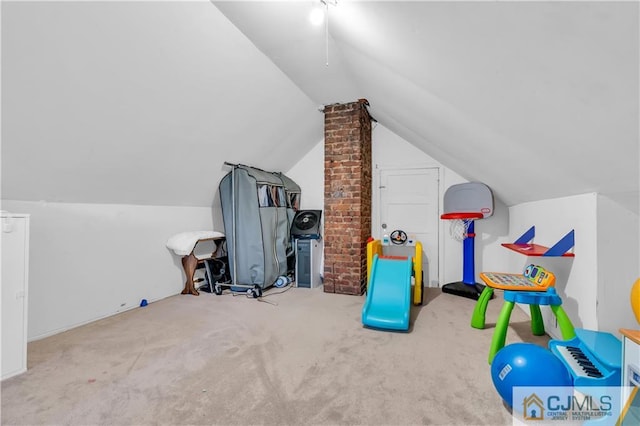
(117, 118)
(536, 99)
(139, 103)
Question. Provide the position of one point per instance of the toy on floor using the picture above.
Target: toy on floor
(534, 278)
(526, 364)
(630, 412)
(388, 302)
(533, 288)
(583, 360)
(464, 203)
(534, 299)
(591, 357)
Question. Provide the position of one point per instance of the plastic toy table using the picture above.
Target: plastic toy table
(502, 281)
(534, 299)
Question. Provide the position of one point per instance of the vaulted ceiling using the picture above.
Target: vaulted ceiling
(143, 102)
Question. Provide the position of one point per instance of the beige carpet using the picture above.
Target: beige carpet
(295, 358)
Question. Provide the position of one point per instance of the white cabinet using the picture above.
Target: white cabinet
(14, 237)
(630, 374)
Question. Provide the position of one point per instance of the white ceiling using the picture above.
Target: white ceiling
(141, 103)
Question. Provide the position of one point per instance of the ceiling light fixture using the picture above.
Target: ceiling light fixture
(319, 14)
(316, 17)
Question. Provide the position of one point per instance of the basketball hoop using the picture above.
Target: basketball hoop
(458, 229)
(463, 203)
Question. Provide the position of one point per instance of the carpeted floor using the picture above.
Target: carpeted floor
(294, 358)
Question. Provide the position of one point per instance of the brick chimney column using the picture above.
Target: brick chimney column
(347, 196)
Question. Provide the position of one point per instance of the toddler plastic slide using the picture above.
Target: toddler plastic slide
(388, 302)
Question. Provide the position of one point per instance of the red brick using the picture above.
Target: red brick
(347, 195)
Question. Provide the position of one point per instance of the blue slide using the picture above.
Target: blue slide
(388, 301)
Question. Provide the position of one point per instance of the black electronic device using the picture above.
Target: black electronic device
(306, 224)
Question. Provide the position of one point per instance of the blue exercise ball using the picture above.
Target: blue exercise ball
(526, 364)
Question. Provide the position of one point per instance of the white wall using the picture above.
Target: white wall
(490, 234)
(309, 174)
(390, 150)
(576, 277)
(618, 263)
(595, 284)
(89, 261)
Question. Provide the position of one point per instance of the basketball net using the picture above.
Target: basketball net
(458, 229)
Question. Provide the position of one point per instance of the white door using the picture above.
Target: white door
(409, 201)
(15, 268)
